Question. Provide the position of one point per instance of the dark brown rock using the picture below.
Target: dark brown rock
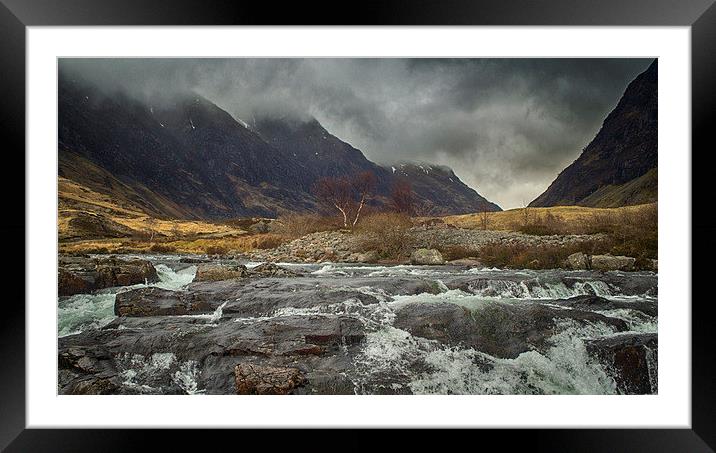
(267, 380)
(631, 360)
(160, 302)
(83, 275)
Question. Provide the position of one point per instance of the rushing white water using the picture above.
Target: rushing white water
(391, 359)
(423, 366)
(93, 311)
(154, 373)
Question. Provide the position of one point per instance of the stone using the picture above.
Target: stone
(267, 380)
(69, 283)
(78, 275)
(426, 256)
(578, 261)
(631, 360)
(365, 257)
(612, 263)
(499, 329)
(160, 302)
(271, 270)
(213, 272)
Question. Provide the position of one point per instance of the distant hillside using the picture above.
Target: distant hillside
(437, 186)
(619, 167)
(191, 159)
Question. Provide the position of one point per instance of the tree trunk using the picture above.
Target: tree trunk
(360, 206)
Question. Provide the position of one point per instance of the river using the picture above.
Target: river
(368, 329)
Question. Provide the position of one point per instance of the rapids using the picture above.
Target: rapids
(420, 330)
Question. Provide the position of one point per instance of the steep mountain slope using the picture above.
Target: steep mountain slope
(317, 152)
(618, 167)
(437, 187)
(191, 159)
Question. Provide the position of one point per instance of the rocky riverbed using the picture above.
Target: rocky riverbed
(228, 327)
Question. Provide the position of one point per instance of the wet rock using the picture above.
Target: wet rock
(70, 283)
(92, 385)
(326, 382)
(213, 272)
(499, 329)
(612, 263)
(83, 275)
(115, 272)
(426, 256)
(160, 302)
(649, 308)
(267, 380)
(192, 260)
(631, 360)
(271, 270)
(578, 261)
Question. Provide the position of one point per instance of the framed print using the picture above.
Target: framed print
(419, 216)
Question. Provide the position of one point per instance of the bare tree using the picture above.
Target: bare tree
(347, 194)
(151, 224)
(401, 197)
(484, 218)
(363, 187)
(335, 192)
(426, 209)
(526, 214)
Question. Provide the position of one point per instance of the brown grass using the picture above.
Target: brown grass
(535, 257)
(514, 219)
(297, 225)
(385, 233)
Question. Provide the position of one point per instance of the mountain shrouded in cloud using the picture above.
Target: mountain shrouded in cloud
(505, 126)
(188, 158)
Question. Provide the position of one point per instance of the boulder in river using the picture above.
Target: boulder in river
(160, 302)
(426, 256)
(217, 272)
(631, 359)
(83, 275)
(503, 330)
(612, 263)
(271, 270)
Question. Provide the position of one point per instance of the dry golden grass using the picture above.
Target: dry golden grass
(574, 217)
(199, 246)
(78, 201)
(387, 234)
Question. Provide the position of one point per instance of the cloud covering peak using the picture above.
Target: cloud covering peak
(506, 126)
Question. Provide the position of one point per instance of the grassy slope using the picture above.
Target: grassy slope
(133, 197)
(513, 219)
(641, 190)
(88, 220)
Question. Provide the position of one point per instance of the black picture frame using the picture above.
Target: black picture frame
(16, 15)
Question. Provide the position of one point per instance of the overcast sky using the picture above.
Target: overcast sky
(507, 127)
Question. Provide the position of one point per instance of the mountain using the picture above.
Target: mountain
(190, 159)
(436, 186)
(619, 166)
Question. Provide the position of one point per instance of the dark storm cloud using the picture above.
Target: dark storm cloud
(506, 126)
